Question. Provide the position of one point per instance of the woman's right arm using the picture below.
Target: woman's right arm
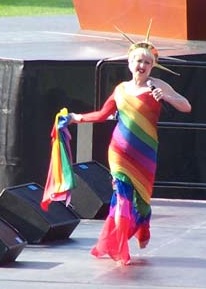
(101, 115)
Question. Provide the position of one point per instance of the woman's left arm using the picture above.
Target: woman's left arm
(165, 92)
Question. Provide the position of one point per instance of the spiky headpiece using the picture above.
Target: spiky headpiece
(148, 45)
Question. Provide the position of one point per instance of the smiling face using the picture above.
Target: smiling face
(140, 62)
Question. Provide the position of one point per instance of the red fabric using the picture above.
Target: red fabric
(143, 234)
(113, 240)
(108, 109)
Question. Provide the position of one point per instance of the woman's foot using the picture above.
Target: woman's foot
(143, 235)
(143, 244)
(95, 252)
(123, 263)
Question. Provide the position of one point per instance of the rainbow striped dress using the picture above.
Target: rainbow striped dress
(132, 158)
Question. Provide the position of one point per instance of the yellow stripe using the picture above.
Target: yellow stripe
(116, 167)
(131, 111)
(57, 166)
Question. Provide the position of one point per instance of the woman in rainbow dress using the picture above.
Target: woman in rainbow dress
(132, 152)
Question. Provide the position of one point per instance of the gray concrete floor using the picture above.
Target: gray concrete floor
(61, 38)
(175, 257)
(54, 38)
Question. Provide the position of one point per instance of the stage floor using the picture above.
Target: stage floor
(175, 257)
(60, 38)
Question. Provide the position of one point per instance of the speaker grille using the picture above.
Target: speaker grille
(11, 242)
(20, 206)
(92, 196)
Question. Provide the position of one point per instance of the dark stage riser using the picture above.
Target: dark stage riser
(33, 92)
(31, 95)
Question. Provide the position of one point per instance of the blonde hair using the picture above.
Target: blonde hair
(134, 51)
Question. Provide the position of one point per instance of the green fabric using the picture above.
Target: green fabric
(143, 208)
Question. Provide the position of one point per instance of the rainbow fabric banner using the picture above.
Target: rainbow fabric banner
(60, 178)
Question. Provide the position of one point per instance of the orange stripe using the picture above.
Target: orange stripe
(141, 184)
(142, 169)
(137, 103)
